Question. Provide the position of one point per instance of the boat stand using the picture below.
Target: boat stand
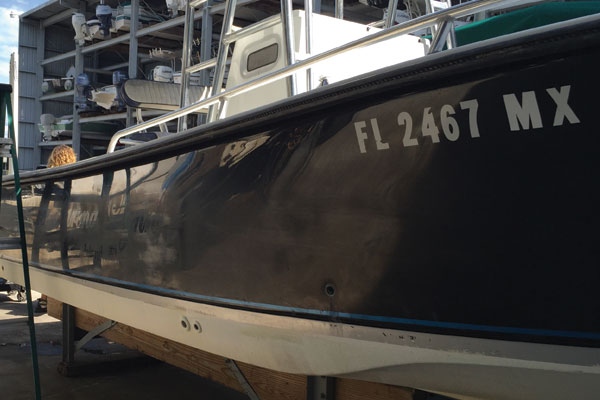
(67, 366)
(317, 387)
(320, 388)
(241, 379)
(255, 382)
(8, 149)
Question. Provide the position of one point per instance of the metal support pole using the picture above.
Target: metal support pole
(429, 10)
(64, 213)
(188, 37)
(206, 40)
(288, 29)
(320, 388)
(444, 34)
(76, 135)
(79, 65)
(391, 13)
(205, 48)
(103, 327)
(133, 49)
(308, 15)
(37, 152)
(339, 9)
(68, 331)
(451, 36)
(222, 56)
(14, 81)
(242, 379)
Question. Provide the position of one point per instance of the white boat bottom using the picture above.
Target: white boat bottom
(463, 367)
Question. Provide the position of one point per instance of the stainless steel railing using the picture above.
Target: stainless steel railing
(423, 22)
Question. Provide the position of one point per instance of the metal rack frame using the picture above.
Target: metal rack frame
(80, 51)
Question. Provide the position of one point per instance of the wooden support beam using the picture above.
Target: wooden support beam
(268, 384)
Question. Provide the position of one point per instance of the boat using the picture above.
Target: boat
(51, 127)
(429, 224)
(123, 17)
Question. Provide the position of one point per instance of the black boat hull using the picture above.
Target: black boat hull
(457, 195)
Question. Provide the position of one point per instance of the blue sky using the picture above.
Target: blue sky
(9, 30)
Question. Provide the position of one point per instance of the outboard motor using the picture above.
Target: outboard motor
(104, 15)
(162, 73)
(47, 120)
(68, 84)
(82, 91)
(80, 26)
(174, 6)
(118, 78)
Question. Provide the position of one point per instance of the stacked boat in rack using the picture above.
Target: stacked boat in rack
(410, 211)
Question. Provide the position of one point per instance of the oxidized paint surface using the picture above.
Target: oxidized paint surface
(471, 201)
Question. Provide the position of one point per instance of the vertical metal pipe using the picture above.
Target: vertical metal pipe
(308, 14)
(339, 9)
(205, 50)
(133, 49)
(409, 9)
(429, 10)
(441, 37)
(288, 34)
(39, 72)
(206, 40)
(14, 81)
(2, 119)
(451, 39)
(188, 36)
(428, 7)
(76, 132)
(391, 13)
(222, 56)
(68, 331)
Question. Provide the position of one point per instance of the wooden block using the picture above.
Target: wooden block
(350, 389)
(54, 308)
(199, 362)
(268, 384)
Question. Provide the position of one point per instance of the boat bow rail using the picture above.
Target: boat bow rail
(442, 22)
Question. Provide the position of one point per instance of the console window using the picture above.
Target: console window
(260, 58)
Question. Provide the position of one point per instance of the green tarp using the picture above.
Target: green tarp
(520, 20)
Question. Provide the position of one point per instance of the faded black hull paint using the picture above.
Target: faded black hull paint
(493, 231)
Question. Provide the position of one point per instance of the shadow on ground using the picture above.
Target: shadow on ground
(103, 369)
